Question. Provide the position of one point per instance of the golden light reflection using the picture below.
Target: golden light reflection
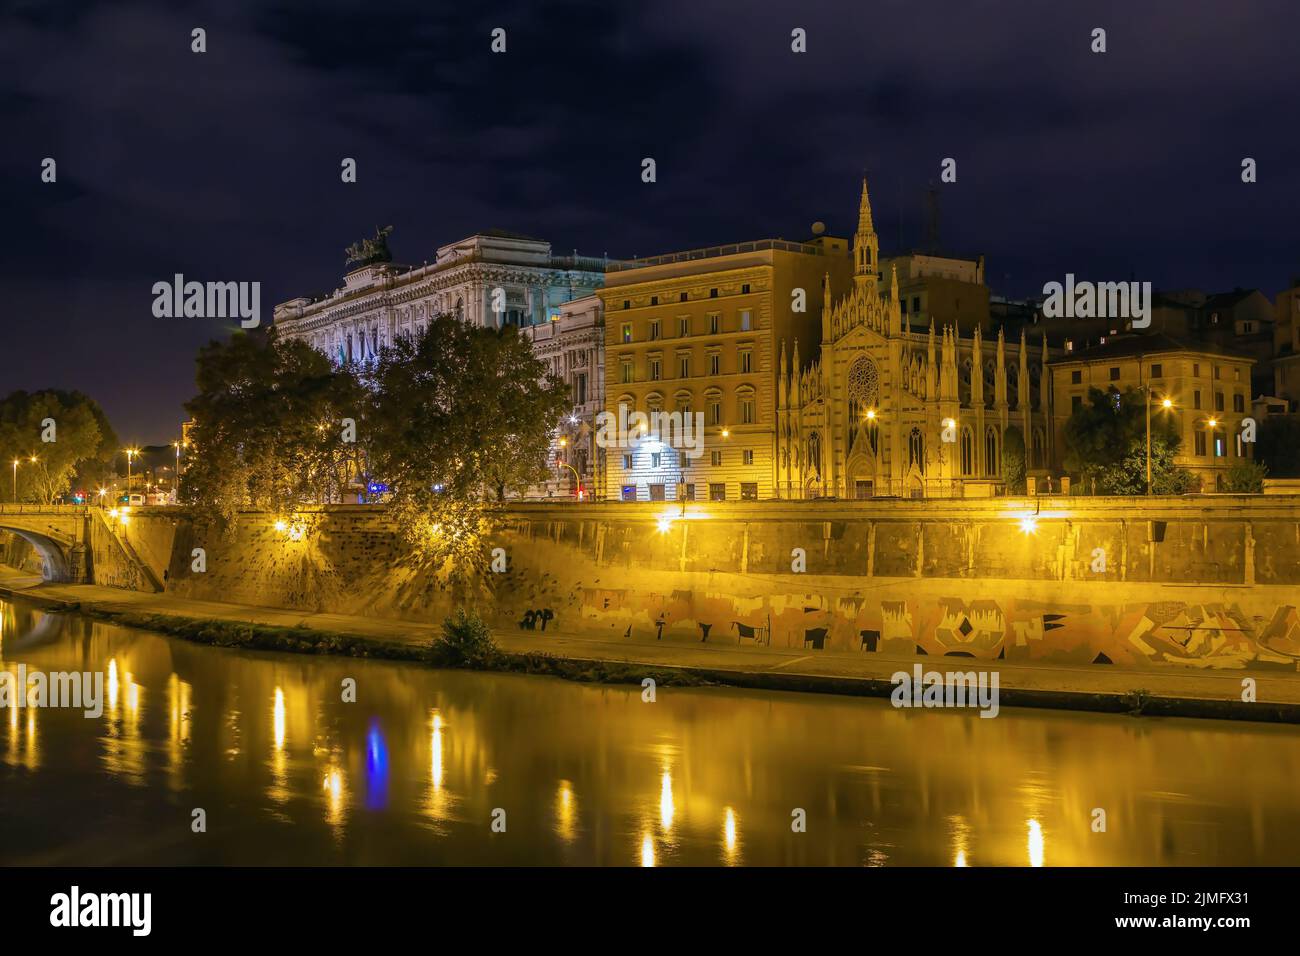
(647, 850)
(435, 749)
(113, 687)
(277, 717)
(729, 841)
(1035, 843)
(179, 726)
(335, 796)
(666, 801)
(566, 812)
(960, 840)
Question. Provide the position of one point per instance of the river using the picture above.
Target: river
(419, 767)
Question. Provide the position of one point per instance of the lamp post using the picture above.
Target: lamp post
(15, 481)
(1166, 404)
(564, 443)
(130, 453)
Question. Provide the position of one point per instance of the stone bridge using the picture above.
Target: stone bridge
(78, 544)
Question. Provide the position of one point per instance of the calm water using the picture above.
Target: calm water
(289, 774)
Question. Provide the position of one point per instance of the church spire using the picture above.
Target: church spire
(866, 247)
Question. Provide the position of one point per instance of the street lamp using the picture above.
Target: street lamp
(15, 481)
(1165, 404)
(130, 453)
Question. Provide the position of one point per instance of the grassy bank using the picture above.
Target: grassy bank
(305, 640)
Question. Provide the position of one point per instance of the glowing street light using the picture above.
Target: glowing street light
(15, 480)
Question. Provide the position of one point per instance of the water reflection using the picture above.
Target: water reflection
(588, 774)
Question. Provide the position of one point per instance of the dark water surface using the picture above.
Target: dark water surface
(412, 773)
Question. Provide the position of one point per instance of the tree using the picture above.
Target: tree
(66, 432)
(1013, 461)
(1245, 477)
(1105, 443)
(459, 415)
(269, 426)
(1279, 445)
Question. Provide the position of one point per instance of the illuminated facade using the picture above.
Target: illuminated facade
(572, 346)
(697, 333)
(492, 279)
(891, 407)
(1208, 390)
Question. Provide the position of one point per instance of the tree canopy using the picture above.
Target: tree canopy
(68, 435)
(1105, 444)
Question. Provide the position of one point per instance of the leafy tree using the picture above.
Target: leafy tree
(82, 440)
(1245, 477)
(1279, 445)
(1105, 444)
(269, 429)
(1013, 461)
(459, 415)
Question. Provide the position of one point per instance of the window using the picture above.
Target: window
(656, 459)
(627, 303)
(629, 492)
(715, 364)
(717, 491)
(1247, 328)
(1196, 398)
(627, 331)
(654, 330)
(1076, 377)
(747, 456)
(968, 451)
(1219, 446)
(654, 370)
(747, 411)
(748, 491)
(903, 306)
(656, 492)
(1114, 375)
(746, 361)
(744, 289)
(916, 450)
(713, 293)
(1196, 370)
(683, 366)
(714, 320)
(744, 320)
(1200, 442)
(1157, 371)
(1218, 401)
(688, 492)
(627, 462)
(715, 459)
(682, 297)
(626, 369)
(1218, 371)
(715, 413)
(581, 388)
(1238, 403)
(991, 462)
(683, 327)
(654, 300)
(1076, 402)
(916, 304)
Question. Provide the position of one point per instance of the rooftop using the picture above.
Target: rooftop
(713, 252)
(1129, 345)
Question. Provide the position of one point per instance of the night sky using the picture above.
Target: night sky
(225, 166)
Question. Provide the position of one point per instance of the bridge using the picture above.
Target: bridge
(78, 544)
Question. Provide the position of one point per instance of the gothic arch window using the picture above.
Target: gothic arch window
(863, 388)
(1038, 446)
(967, 451)
(963, 383)
(815, 453)
(1013, 386)
(916, 450)
(1035, 386)
(991, 459)
(990, 380)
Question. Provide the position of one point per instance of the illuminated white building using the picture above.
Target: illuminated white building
(492, 279)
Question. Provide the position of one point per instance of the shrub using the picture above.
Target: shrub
(465, 641)
(1245, 477)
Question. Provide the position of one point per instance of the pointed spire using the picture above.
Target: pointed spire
(782, 379)
(866, 250)
(795, 399)
(864, 209)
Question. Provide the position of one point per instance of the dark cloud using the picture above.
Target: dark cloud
(226, 165)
